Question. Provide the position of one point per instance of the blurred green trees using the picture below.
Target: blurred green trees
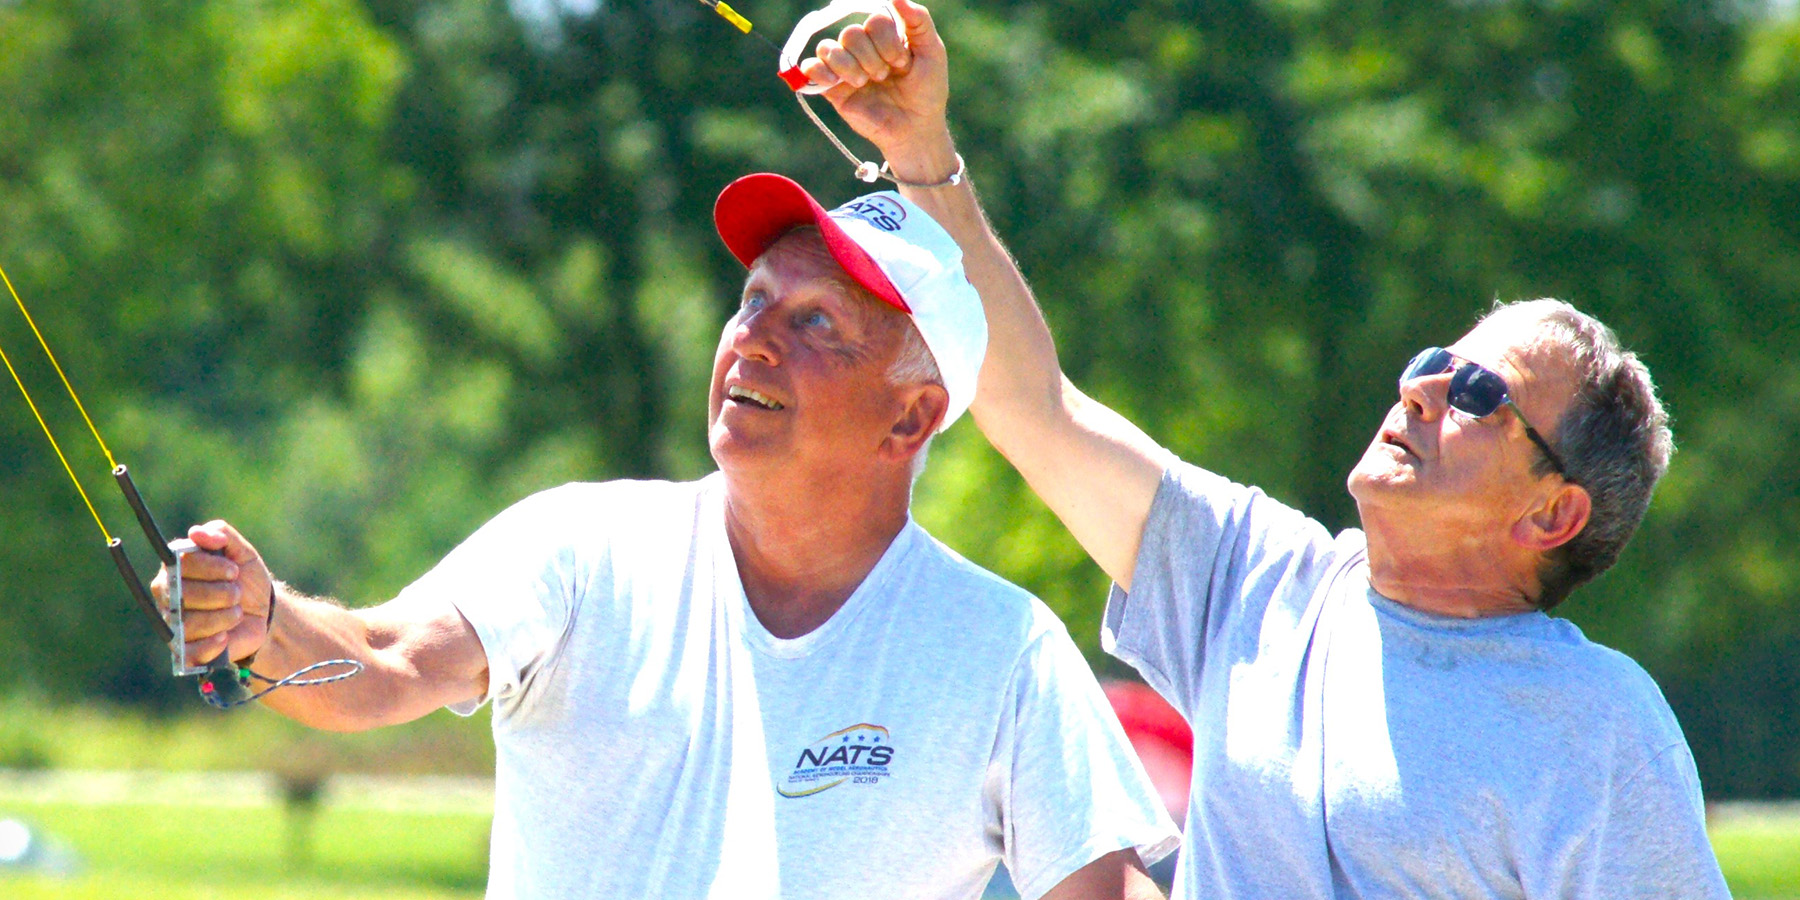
(358, 275)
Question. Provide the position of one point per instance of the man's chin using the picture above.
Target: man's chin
(738, 451)
(1375, 474)
(726, 448)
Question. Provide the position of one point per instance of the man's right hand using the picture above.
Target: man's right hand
(418, 652)
(225, 594)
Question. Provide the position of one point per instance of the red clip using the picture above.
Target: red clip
(795, 78)
(206, 687)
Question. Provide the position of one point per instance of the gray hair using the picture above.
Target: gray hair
(914, 364)
(1614, 440)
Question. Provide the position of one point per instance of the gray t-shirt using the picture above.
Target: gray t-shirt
(654, 740)
(1348, 746)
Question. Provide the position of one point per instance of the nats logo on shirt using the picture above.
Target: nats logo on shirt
(859, 754)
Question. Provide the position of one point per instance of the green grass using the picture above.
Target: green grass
(149, 852)
(154, 851)
(34, 735)
(1761, 857)
(145, 851)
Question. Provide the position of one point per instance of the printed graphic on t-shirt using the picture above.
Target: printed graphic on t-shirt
(856, 755)
(876, 210)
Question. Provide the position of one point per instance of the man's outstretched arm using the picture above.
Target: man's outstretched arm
(417, 655)
(1117, 874)
(1096, 471)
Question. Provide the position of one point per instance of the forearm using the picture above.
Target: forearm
(1096, 471)
(1119, 874)
(417, 653)
(391, 688)
(1092, 467)
(1020, 392)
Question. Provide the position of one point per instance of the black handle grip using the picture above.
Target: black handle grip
(145, 521)
(138, 592)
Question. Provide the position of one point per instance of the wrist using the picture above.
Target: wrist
(275, 589)
(953, 179)
(268, 625)
(926, 159)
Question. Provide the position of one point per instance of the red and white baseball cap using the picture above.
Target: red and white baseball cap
(886, 244)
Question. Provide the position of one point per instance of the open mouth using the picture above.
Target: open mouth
(745, 395)
(1390, 438)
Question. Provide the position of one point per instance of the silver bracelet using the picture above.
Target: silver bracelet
(955, 178)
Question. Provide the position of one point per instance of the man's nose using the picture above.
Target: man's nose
(1426, 395)
(754, 337)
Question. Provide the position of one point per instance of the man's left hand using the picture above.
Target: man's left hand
(892, 91)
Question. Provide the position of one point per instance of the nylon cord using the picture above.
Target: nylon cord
(59, 370)
(829, 134)
(36, 413)
(866, 170)
(55, 446)
(742, 24)
(293, 680)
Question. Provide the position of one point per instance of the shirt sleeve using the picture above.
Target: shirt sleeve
(1069, 787)
(512, 580)
(1213, 552)
(1651, 840)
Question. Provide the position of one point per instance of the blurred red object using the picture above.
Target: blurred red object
(1162, 739)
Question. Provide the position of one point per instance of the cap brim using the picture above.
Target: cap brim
(754, 211)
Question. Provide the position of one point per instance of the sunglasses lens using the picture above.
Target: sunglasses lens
(1429, 361)
(1477, 391)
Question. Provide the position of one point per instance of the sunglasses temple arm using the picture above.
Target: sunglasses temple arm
(1538, 439)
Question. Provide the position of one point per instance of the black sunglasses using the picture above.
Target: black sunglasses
(1475, 391)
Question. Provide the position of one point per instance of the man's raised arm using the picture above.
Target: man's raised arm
(416, 655)
(1097, 471)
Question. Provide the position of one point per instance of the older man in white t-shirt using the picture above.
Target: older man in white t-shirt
(770, 682)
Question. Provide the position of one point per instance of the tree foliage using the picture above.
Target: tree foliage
(358, 275)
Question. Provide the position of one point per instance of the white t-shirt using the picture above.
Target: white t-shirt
(654, 740)
(1348, 746)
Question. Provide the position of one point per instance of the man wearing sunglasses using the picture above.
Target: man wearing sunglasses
(1388, 711)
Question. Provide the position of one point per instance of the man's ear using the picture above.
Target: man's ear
(1557, 520)
(923, 407)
